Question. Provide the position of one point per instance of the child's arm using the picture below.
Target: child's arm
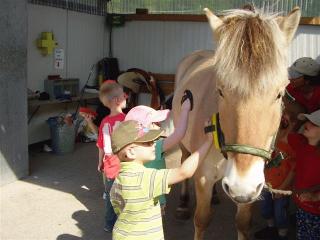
(100, 160)
(190, 165)
(287, 183)
(180, 128)
(310, 196)
(155, 101)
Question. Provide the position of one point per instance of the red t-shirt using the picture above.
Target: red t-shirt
(277, 175)
(312, 104)
(307, 170)
(111, 163)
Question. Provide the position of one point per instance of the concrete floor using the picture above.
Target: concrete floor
(62, 200)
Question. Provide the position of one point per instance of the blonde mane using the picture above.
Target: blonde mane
(250, 53)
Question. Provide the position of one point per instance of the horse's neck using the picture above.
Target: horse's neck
(196, 64)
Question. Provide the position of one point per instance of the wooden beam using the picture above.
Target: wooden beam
(310, 21)
(197, 18)
(165, 81)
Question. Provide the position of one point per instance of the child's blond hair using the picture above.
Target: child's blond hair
(110, 89)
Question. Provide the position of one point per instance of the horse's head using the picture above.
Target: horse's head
(251, 66)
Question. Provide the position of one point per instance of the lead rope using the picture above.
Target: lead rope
(276, 191)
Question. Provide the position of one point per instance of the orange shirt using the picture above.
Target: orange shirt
(276, 175)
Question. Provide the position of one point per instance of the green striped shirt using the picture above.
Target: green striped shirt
(134, 196)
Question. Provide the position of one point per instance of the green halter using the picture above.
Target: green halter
(247, 149)
(219, 142)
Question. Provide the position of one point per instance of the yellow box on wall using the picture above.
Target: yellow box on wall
(46, 43)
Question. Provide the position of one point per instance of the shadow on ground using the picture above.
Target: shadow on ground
(76, 174)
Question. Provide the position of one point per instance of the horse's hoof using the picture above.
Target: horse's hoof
(182, 213)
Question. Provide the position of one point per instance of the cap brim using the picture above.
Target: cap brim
(309, 117)
(293, 73)
(149, 136)
(160, 115)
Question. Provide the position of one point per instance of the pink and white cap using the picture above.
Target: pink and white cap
(147, 115)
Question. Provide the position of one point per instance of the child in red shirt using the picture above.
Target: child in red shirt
(112, 96)
(305, 83)
(307, 178)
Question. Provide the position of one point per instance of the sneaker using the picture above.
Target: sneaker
(104, 196)
(267, 233)
(46, 148)
(108, 230)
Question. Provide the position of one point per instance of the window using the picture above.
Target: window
(95, 7)
(310, 8)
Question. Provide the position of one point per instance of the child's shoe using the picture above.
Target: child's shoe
(104, 196)
(267, 233)
(107, 229)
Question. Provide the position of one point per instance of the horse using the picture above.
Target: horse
(243, 80)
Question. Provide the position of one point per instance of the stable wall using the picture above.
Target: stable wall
(13, 95)
(159, 46)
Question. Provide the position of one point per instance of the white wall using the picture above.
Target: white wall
(80, 35)
(82, 38)
(159, 46)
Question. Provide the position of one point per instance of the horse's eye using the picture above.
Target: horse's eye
(220, 92)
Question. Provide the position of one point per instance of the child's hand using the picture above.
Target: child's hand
(100, 167)
(186, 105)
(309, 197)
(187, 95)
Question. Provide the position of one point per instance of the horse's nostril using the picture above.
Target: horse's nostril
(225, 187)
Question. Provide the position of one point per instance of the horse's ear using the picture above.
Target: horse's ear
(289, 24)
(214, 21)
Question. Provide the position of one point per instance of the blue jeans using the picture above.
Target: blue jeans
(110, 217)
(276, 209)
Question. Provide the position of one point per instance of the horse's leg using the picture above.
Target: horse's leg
(243, 220)
(183, 211)
(203, 186)
(215, 198)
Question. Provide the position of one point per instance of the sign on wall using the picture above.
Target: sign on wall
(58, 58)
